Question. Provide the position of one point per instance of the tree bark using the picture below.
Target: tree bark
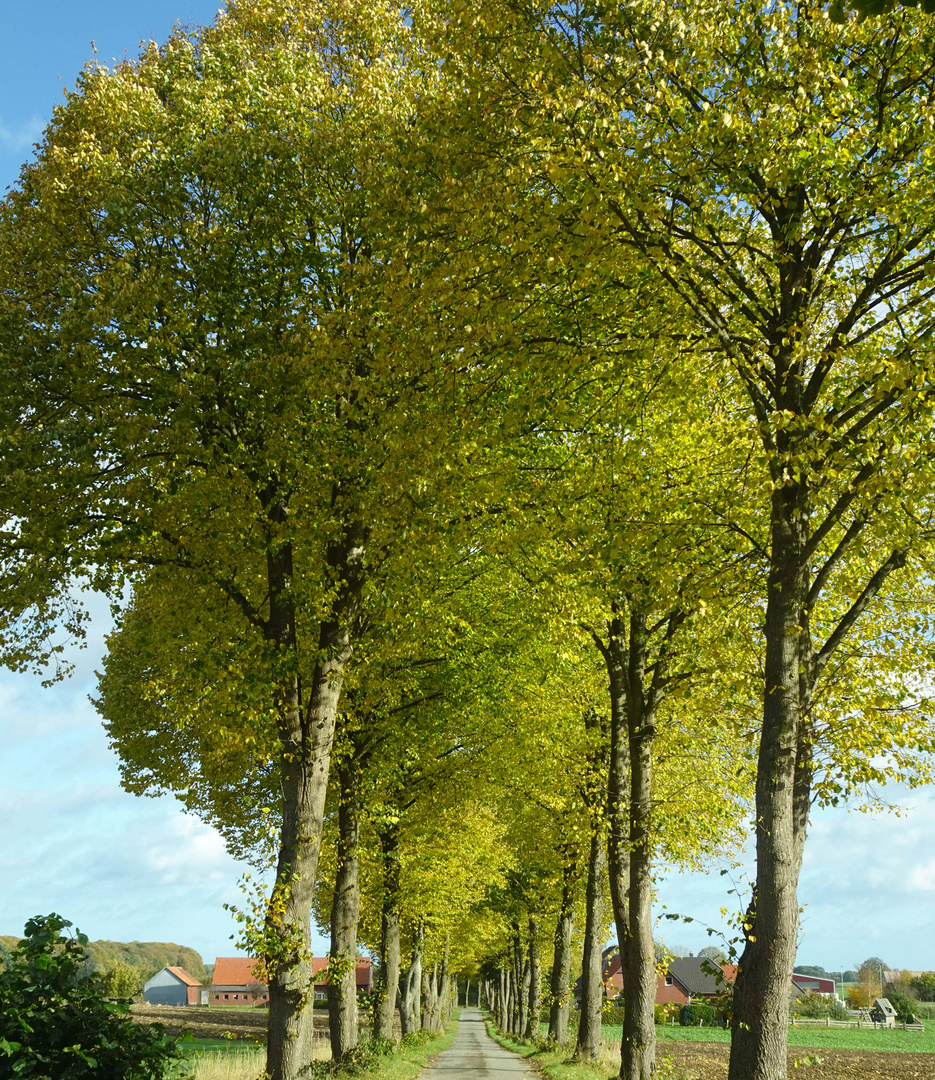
(430, 999)
(761, 992)
(638, 1047)
(535, 982)
(345, 911)
(501, 1002)
(306, 732)
(387, 989)
(592, 985)
(560, 984)
(520, 981)
(411, 999)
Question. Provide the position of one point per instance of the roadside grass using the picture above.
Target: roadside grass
(555, 1061)
(224, 1059)
(920, 1042)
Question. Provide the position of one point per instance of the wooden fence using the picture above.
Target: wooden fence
(865, 1025)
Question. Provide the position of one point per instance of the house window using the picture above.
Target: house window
(668, 980)
(320, 995)
(226, 996)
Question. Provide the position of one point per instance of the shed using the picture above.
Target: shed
(172, 986)
(882, 1012)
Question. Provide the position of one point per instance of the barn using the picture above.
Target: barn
(172, 986)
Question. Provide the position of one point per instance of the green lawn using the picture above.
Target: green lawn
(922, 1042)
(216, 1046)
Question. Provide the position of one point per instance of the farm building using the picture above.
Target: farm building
(686, 979)
(238, 981)
(172, 986)
(811, 984)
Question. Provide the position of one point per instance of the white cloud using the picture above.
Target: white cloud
(922, 878)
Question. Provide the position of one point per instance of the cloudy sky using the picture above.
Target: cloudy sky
(128, 869)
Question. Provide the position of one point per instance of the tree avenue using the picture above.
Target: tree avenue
(527, 410)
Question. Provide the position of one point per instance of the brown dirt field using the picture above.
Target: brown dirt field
(207, 1023)
(708, 1061)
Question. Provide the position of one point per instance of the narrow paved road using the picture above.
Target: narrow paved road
(475, 1056)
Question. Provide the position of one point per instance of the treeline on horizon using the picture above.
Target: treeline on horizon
(146, 956)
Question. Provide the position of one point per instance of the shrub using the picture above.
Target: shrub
(664, 1014)
(819, 1006)
(55, 1023)
(697, 1014)
(904, 1005)
(612, 1014)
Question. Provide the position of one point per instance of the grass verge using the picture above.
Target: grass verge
(215, 1059)
(552, 1061)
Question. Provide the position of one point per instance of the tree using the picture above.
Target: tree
(123, 981)
(55, 1024)
(784, 204)
(195, 367)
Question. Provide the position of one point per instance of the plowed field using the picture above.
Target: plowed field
(708, 1061)
(208, 1023)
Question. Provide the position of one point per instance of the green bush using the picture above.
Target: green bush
(612, 1014)
(55, 1023)
(697, 1014)
(904, 1005)
(819, 1006)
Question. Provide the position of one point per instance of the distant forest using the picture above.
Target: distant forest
(148, 956)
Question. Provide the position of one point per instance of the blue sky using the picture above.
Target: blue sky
(127, 868)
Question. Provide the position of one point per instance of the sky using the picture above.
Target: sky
(127, 868)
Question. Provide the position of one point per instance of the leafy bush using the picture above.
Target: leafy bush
(904, 1005)
(612, 1014)
(697, 1014)
(665, 1014)
(819, 1006)
(56, 1025)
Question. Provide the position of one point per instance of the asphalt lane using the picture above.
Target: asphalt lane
(474, 1055)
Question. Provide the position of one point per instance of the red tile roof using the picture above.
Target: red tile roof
(238, 971)
(181, 973)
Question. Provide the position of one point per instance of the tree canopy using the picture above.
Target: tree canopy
(504, 435)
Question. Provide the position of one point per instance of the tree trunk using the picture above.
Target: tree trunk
(535, 982)
(560, 984)
(444, 1001)
(306, 732)
(592, 985)
(345, 911)
(520, 981)
(502, 1002)
(429, 998)
(783, 784)
(387, 989)
(410, 1002)
(638, 1047)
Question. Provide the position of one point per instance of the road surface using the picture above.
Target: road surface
(475, 1056)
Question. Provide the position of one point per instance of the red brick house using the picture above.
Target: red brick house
(320, 969)
(686, 979)
(240, 980)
